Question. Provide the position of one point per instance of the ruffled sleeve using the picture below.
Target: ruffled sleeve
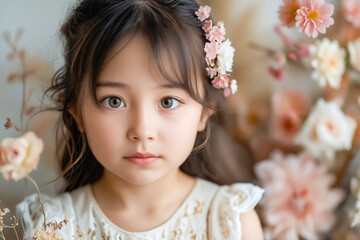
(57, 210)
(228, 203)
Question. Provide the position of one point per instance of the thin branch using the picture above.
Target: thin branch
(38, 192)
(345, 166)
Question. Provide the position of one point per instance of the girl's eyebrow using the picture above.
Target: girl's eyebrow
(112, 84)
(123, 85)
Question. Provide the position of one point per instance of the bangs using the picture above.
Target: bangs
(177, 50)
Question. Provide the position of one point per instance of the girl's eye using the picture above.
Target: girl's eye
(113, 102)
(169, 103)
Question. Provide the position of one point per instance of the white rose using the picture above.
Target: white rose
(225, 57)
(19, 156)
(326, 130)
(328, 61)
(354, 50)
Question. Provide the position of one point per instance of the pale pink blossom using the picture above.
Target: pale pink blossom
(279, 74)
(302, 50)
(314, 16)
(19, 156)
(207, 26)
(203, 12)
(215, 35)
(292, 56)
(221, 81)
(299, 200)
(280, 58)
(287, 12)
(352, 11)
(211, 49)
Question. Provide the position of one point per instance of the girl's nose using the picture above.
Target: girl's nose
(142, 126)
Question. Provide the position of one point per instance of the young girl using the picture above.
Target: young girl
(137, 104)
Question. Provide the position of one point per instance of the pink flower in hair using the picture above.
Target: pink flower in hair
(215, 34)
(221, 81)
(211, 49)
(351, 10)
(287, 12)
(211, 71)
(207, 26)
(314, 16)
(203, 13)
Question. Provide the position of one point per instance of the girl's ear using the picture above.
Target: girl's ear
(77, 119)
(206, 114)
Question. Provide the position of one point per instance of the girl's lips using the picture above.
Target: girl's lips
(142, 158)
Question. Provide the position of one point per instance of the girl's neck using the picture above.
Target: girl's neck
(122, 195)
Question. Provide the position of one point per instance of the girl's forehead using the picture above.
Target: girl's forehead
(132, 56)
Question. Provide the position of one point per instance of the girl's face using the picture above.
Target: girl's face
(145, 128)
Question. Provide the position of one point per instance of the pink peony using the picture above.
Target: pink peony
(352, 11)
(203, 13)
(19, 156)
(314, 16)
(287, 12)
(215, 35)
(286, 100)
(298, 198)
(211, 49)
(288, 107)
(221, 81)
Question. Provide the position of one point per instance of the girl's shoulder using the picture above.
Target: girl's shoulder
(227, 204)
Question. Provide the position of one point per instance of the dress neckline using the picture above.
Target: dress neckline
(173, 217)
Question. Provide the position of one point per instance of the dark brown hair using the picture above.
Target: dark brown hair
(90, 32)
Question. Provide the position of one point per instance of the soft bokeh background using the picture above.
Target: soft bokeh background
(245, 21)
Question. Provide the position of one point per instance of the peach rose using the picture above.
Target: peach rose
(19, 156)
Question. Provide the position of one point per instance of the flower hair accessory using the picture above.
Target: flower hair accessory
(219, 53)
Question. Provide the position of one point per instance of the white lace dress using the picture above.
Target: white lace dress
(209, 212)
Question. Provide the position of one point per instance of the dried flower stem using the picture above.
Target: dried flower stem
(23, 79)
(340, 175)
(38, 192)
(261, 48)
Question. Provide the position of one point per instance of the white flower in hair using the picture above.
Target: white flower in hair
(233, 86)
(225, 57)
